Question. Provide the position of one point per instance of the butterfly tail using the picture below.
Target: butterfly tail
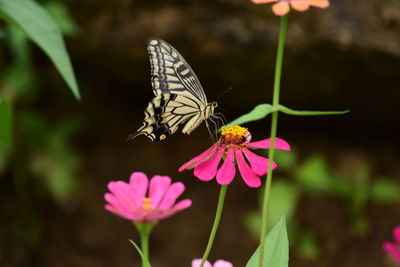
(134, 135)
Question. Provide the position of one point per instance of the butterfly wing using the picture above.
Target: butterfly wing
(165, 113)
(170, 73)
(179, 96)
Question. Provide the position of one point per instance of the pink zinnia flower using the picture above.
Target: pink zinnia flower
(393, 248)
(142, 202)
(235, 144)
(282, 7)
(218, 263)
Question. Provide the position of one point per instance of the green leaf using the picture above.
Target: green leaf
(42, 29)
(289, 111)
(61, 15)
(5, 125)
(140, 253)
(308, 246)
(276, 252)
(314, 174)
(283, 199)
(385, 191)
(263, 110)
(286, 159)
(259, 112)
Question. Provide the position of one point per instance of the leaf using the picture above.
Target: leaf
(140, 253)
(287, 160)
(289, 111)
(263, 110)
(276, 252)
(314, 174)
(308, 246)
(384, 191)
(61, 15)
(259, 112)
(283, 198)
(5, 125)
(42, 29)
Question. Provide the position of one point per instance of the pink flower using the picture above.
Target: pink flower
(393, 249)
(218, 263)
(142, 203)
(282, 7)
(234, 143)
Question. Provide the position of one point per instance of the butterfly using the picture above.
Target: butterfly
(179, 97)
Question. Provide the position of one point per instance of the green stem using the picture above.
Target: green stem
(218, 213)
(274, 126)
(145, 231)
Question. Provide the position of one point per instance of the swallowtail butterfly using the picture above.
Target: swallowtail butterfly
(179, 97)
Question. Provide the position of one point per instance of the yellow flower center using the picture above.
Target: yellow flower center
(233, 135)
(147, 204)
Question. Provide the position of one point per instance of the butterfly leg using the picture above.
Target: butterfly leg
(213, 136)
(221, 117)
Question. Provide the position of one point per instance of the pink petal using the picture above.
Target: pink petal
(174, 191)
(121, 207)
(320, 3)
(258, 164)
(181, 205)
(281, 8)
(263, 1)
(201, 157)
(249, 177)
(158, 186)
(206, 170)
(116, 203)
(396, 234)
(227, 171)
(197, 262)
(117, 212)
(392, 250)
(266, 143)
(300, 5)
(124, 192)
(222, 263)
(139, 183)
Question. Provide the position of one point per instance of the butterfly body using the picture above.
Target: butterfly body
(179, 97)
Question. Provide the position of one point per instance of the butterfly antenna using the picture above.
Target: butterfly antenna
(224, 93)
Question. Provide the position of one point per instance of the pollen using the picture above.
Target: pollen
(147, 204)
(234, 135)
(234, 130)
(163, 136)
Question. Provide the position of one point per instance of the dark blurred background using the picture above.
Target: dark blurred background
(339, 187)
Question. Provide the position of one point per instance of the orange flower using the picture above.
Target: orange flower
(282, 7)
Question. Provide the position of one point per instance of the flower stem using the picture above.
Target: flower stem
(274, 126)
(145, 231)
(218, 213)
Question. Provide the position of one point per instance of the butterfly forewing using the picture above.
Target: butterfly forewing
(171, 73)
(179, 96)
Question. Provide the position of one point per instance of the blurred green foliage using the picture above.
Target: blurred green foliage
(314, 177)
(6, 132)
(34, 152)
(41, 28)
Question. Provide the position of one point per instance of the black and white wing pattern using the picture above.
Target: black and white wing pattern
(179, 96)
